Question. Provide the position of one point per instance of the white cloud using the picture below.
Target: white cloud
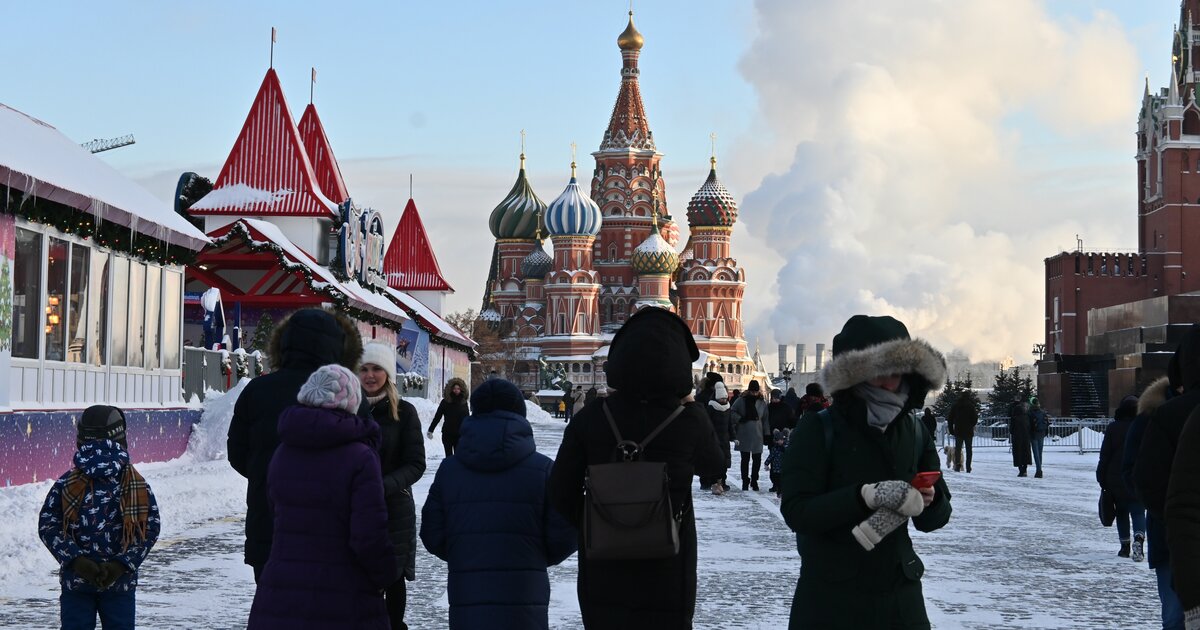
(922, 159)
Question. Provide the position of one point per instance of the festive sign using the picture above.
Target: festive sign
(360, 245)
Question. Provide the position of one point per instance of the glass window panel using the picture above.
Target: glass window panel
(120, 311)
(97, 307)
(137, 313)
(172, 318)
(77, 326)
(153, 300)
(56, 299)
(27, 294)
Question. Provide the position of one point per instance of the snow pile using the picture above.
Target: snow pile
(208, 438)
(537, 415)
(240, 196)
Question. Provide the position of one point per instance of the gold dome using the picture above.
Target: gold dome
(630, 38)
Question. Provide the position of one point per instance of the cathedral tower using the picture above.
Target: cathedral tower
(572, 287)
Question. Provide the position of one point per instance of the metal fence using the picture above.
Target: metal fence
(216, 370)
(1082, 435)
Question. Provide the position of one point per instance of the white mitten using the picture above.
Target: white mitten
(429, 434)
(898, 496)
(883, 522)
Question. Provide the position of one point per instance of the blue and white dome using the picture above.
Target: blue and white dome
(573, 213)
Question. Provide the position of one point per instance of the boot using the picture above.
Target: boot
(745, 485)
(1022, 472)
(1139, 550)
(754, 485)
(1124, 552)
(1038, 474)
(717, 489)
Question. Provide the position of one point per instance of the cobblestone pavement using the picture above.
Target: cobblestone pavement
(1018, 553)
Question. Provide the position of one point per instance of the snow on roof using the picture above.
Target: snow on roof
(38, 159)
(444, 329)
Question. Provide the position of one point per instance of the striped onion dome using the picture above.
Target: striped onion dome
(654, 255)
(536, 264)
(712, 205)
(517, 215)
(573, 213)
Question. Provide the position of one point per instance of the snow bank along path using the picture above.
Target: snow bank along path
(1018, 553)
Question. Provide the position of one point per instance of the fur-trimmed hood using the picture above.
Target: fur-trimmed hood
(1154, 396)
(899, 356)
(462, 386)
(309, 338)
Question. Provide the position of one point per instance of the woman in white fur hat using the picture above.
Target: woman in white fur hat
(402, 460)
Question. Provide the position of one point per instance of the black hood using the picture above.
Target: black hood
(652, 355)
(312, 337)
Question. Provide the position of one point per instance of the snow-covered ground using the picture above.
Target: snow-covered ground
(1018, 553)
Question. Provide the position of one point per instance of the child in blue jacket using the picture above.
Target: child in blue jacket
(100, 521)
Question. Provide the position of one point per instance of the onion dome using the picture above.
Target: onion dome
(573, 213)
(630, 38)
(517, 215)
(537, 264)
(654, 255)
(490, 315)
(670, 231)
(712, 205)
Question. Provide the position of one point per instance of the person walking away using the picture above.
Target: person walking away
(846, 493)
(1156, 456)
(1183, 520)
(303, 342)
(793, 401)
(590, 395)
(963, 417)
(580, 399)
(1039, 428)
(1018, 431)
(650, 371)
(453, 408)
(497, 562)
(707, 387)
(401, 461)
(749, 416)
(930, 422)
(1108, 475)
(330, 560)
(99, 521)
(780, 413)
(1153, 397)
(568, 401)
(718, 414)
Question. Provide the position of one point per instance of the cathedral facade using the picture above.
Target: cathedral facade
(613, 250)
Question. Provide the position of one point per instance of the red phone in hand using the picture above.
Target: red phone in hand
(926, 479)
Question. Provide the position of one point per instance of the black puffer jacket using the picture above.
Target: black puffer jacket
(306, 340)
(1183, 514)
(1112, 450)
(402, 461)
(1152, 471)
(453, 409)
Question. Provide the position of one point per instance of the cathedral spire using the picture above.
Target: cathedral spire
(628, 127)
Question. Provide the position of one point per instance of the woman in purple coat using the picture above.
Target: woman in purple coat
(330, 559)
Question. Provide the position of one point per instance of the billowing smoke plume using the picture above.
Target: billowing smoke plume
(924, 147)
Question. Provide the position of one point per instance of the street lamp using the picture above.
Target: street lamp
(786, 370)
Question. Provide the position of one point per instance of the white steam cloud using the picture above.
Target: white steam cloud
(935, 153)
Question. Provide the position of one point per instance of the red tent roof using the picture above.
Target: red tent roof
(410, 264)
(268, 172)
(320, 155)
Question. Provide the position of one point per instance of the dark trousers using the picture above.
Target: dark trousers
(449, 443)
(78, 610)
(396, 597)
(747, 474)
(258, 569)
(959, 445)
(775, 478)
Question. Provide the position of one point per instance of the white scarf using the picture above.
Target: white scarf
(883, 406)
(719, 406)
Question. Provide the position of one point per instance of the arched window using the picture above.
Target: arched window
(587, 368)
(574, 367)
(1191, 122)
(612, 251)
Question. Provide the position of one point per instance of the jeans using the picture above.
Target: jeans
(1038, 442)
(959, 445)
(747, 474)
(1172, 608)
(78, 610)
(1130, 511)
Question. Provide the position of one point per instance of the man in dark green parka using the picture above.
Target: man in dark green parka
(846, 477)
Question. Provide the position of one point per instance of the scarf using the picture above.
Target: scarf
(371, 400)
(883, 406)
(719, 406)
(135, 502)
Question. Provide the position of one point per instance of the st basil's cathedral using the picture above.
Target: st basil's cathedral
(614, 252)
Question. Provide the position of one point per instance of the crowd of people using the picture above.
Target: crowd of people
(331, 453)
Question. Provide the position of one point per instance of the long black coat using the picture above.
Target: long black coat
(305, 341)
(657, 594)
(1183, 514)
(722, 424)
(402, 460)
(1018, 429)
(1157, 454)
(1112, 450)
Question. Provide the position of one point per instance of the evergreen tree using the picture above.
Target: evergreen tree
(1010, 387)
(262, 332)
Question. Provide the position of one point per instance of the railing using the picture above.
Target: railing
(1083, 435)
(217, 370)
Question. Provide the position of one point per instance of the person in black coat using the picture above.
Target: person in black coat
(930, 422)
(1022, 442)
(793, 401)
(402, 461)
(1183, 520)
(650, 368)
(717, 406)
(453, 408)
(1108, 475)
(779, 414)
(304, 341)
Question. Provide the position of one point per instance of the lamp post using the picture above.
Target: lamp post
(786, 370)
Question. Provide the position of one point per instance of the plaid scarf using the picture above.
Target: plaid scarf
(135, 502)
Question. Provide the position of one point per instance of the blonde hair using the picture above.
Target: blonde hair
(393, 398)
